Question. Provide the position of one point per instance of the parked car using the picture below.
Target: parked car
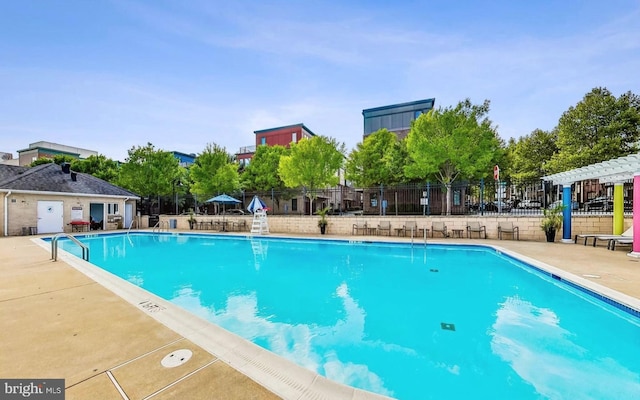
(499, 205)
(472, 206)
(601, 203)
(530, 204)
(574, 205)
(233, 211)
(489, 206)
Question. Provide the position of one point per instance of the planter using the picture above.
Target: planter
(323, 229)
(551, 235)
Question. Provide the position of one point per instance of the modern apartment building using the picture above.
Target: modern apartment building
(396, 117)
(185, 160)
(282, 135)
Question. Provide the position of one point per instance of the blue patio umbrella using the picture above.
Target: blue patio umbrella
(223, 199)
(256, 204)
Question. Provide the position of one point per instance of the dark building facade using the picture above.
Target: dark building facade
(396, 118)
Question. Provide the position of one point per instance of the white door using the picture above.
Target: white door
(128, 214)
(50, 218)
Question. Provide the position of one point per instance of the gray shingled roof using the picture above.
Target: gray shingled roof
(51, 178)
(9, 171)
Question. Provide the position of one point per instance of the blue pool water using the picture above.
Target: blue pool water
(454, 322)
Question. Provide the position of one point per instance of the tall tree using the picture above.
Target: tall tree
(214, 172)
(600, 127)
(99, 166)
(313, 163)
(149, 172)
(40, 161)
(58, 159)
(453, 142)
(262, 172)
(530, 153)
(378, 159)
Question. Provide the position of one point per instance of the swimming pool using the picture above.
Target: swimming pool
(409, 322)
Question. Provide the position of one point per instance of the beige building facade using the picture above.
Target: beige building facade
(27, 213)
(44, 149)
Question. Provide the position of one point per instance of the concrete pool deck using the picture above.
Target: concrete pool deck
(59, 322)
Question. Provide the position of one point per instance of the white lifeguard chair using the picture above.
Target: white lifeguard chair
(260, 225)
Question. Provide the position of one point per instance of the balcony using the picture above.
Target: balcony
(247, 149)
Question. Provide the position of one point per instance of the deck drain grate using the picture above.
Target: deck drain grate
(176, 358)
(150, 306)
(447, 326)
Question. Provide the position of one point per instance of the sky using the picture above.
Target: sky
(108, 75)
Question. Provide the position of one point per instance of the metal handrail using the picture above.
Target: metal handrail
(130, 225)
(424, 232)
(54, 246)
(161, 225)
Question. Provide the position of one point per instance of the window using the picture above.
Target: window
(396, 121)
(263, 140)
(294, 137)
(112, 208)
(374, 200)
(294, 204)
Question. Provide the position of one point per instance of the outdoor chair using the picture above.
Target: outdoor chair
(600, 236)
(620, 242)
(240, 225)
(439, 227)
(207, 224)
(408, 227)
(384, 226)
(474, 226)
(507, 227)
(359, 226)
(215, 225)
(628, 234)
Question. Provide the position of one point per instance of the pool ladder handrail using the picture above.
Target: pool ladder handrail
(131, 224)
(54, 246)
(424, 231)
(160, 225)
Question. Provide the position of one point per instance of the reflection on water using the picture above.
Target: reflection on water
(259, 250)
(551, 360)
(315, 347)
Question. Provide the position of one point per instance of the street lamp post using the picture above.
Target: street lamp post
(176, 182)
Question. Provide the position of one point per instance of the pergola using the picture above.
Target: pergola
(616, 171)
(611, 171)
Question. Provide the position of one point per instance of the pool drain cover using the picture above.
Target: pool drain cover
(447, 327)
(176, 358)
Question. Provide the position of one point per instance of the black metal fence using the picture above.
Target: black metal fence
(430, 198)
